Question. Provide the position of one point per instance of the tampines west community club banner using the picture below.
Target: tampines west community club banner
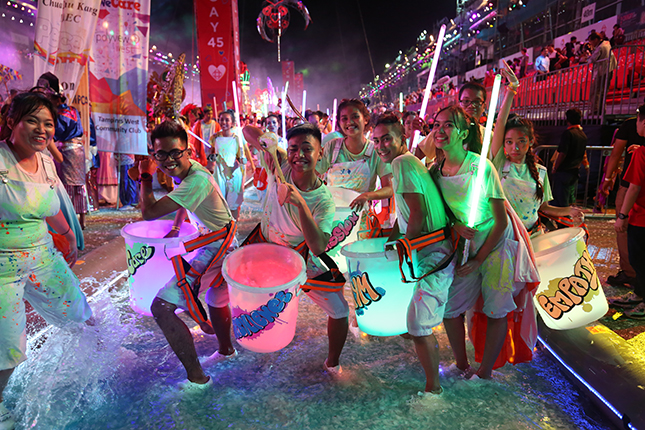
(119, 75)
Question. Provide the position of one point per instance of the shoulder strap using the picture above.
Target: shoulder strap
(3, 168)
(50, 170)
(369, 150)
(338, 145)
(506, 169)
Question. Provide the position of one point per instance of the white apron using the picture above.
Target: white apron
(521, 195)
(353, 175)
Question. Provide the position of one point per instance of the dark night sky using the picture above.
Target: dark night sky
(331, 52)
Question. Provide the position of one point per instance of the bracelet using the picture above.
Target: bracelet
(512, 89)
(68, 230)
(175, 228)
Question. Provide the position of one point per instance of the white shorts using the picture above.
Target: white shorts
(493, 280)
(333, 303)
(215, 297)
(233, 188)
(41, 276)
(428, 303)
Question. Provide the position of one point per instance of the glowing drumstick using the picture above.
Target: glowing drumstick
(197, 137)
(333, 118)
(433, 71)
(304, 102)
(400, 102)
(237, 106)
(481, 168)
(284, 110)
(215, 108)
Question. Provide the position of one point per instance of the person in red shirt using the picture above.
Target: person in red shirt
(631, 218)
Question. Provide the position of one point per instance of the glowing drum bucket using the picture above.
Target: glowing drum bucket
(147, 263)
(569, 295)
(381, 299)
(345, 226)
(263, 279)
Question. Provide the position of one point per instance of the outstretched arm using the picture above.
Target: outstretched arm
(500, 125)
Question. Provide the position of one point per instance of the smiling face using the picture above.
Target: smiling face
(516, 145)
(272, 124)
(445, 132)
(34, 130)
(226, 121)
(303, 153)
(388, 142)
(177, 168)
(352, 122)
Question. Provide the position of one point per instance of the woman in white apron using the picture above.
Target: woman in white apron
(525, 182)
(490, 269)
(351, 161)
(30, 267)
(227, 160)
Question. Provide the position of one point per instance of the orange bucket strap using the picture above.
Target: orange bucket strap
(405, 246)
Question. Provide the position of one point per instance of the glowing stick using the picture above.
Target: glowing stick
(481, 168)
(237, 107)
(400, 102)
(215, 108)
(284, 110)
(197, 137)
(304, 101)
(433, 71)
(333, 118)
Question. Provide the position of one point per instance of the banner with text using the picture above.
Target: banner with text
(218, 40)
(62, 41)
(119, 76)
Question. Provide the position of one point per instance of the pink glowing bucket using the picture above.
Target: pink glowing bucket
(147, 263)
(263, 280)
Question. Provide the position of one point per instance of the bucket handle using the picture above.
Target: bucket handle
(171, 252)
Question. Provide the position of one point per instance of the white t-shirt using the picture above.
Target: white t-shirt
(376, 165)
(456, 191)
(526, 206)
(281, 224)
(410, 176)
(23, 207)
(199, 194)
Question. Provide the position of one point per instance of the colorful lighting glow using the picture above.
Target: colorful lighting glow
(433, 71)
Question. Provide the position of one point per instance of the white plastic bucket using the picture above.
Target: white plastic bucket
(345, 226)
(263, 279)
(570, 294)
(381, 299)
(148, 265)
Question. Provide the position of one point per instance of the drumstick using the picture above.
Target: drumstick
(295, 110)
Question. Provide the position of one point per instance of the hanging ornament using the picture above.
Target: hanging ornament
(274, 19)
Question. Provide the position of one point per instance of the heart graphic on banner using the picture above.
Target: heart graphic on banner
(216, 72)
(221, 52)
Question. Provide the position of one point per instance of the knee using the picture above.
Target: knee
(161, 308)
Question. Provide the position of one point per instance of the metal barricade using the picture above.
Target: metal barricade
(589, 180)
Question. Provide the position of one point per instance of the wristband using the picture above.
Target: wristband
(68, 230)
(622, 216)
(145, 176)
(175, 228)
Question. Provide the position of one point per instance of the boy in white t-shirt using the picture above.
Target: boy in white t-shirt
(306, 216)
(197, 195)
(419, 212)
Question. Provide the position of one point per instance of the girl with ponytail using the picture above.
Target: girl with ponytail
(526, 183)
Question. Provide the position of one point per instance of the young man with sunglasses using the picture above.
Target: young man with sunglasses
(197, 195)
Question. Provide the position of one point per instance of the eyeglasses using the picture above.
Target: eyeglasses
(175, 154)
(473, 103)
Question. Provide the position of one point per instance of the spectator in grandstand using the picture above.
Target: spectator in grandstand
(627, 138)
(604, 63)
(631, 220)
(542, 63)
(571, 48)
(524, 63)
(571, 153)
(617, 36)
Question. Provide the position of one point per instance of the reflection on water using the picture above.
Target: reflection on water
(121, 374)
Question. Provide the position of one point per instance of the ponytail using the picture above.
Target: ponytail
(533, 170)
